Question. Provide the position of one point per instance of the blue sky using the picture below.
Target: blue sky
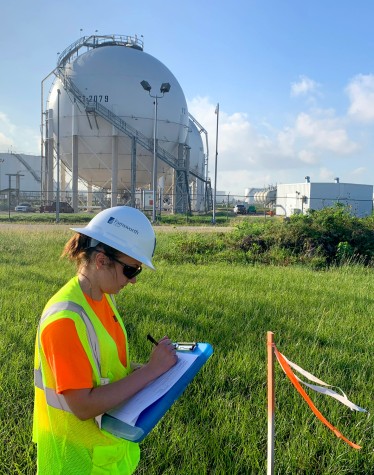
(294, 80)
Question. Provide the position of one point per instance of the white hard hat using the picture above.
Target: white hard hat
(125, 229)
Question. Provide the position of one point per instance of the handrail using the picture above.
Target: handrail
(95, 41)
(202, 130)
(29, 168)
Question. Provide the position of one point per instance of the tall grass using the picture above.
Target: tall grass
(321, 320)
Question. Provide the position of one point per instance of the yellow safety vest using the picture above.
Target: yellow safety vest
(67, 445)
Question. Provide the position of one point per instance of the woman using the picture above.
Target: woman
(82, 367)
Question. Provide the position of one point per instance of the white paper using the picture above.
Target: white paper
(131, 409)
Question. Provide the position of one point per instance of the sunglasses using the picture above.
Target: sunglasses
(128, 271)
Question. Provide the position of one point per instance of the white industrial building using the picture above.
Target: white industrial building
(297, 198)
(20, 172)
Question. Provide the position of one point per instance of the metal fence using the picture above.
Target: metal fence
(92, 201)
(98, 200)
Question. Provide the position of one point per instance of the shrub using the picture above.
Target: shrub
(331, 236)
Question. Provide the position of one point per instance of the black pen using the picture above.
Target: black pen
(151, 339)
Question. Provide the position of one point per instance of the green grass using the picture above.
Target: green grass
(322, 321)
(223, 218)
(43, 218)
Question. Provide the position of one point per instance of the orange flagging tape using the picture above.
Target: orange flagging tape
(286, 368)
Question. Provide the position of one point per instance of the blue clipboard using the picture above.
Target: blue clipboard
(153, 413)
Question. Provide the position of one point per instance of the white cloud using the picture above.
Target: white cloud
(5, 142)
(361, 94)
(248, 157)
(235, 135)
(326, 175)
(21, 139)
(325, 133)
(6, 127)
(244, 155)
(308, 157)
(286, 141)
(304, 86)
(359, 172)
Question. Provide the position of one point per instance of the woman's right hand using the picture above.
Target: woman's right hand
(91, 402)
(163, 357)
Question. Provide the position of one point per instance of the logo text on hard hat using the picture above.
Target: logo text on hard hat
(118, 224)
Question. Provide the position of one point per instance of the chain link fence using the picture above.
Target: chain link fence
(28, 201)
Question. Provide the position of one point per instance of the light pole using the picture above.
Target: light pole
(1, 161)
(58, 159)
(164, 88)
(215, 170)
(10, 175)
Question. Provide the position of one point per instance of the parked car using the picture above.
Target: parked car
(240, 209)
(64, 207)
(24, 208)
(251, 209)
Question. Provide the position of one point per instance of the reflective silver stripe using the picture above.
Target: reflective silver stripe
(92, 337)
(38, 378)
(54, 399)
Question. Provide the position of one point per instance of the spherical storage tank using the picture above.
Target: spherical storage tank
(110, 74)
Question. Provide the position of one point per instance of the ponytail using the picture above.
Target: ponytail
(80, 248)
(77, 249)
